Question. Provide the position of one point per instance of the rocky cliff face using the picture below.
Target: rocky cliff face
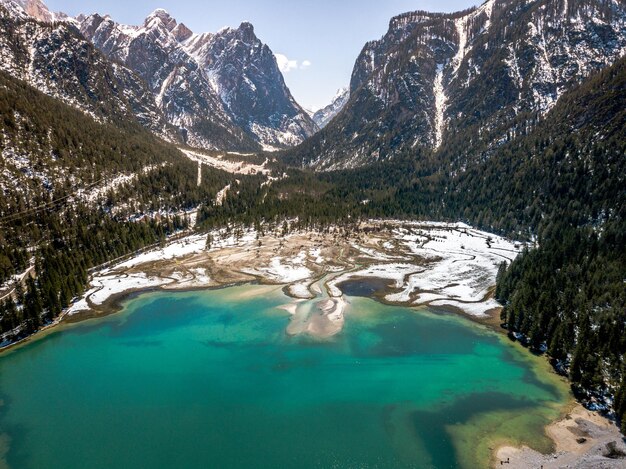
(243, 72)
(178, 84)
(225, 85)
(56, 59)
(323, 116)
(36, 9)
(490, 73)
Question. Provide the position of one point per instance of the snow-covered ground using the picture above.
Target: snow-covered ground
(431, 264)
(115, 280)
(180, 248)
(300, 290)
(454, 265)
(234, 167)
(283, 270)
(105, 286)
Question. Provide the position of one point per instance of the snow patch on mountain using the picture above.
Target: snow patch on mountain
(222, 90)
(461, 24)
(323, 116)
(440, 105)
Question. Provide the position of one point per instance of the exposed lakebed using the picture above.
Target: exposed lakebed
(211, 379)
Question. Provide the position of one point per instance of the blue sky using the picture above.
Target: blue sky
(324, 35)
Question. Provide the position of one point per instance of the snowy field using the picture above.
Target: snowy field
(234, 167)
(452, 265)
(427, 264)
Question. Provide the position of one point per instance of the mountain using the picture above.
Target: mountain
(323, 116)
(57, 60)
(174, 79)
(492, 71)
(36, 9)
(214, 91)
(244, 73)
(225, 84)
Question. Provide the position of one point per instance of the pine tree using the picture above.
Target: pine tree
(33, 306)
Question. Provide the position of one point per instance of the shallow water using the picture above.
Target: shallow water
(365, 287)
(210, 379)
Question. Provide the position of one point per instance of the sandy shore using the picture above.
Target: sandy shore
(582, 439)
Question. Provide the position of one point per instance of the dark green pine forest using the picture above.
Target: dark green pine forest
(43, 219)
(561, 185)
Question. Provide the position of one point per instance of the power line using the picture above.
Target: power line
(47, 205)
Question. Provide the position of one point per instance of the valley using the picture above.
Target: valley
(469, 183)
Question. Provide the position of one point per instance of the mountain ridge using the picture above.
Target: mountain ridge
(213, 90)
(58, 61)
(231, 73)
(179, 88)
(324, 115)
(434, 75)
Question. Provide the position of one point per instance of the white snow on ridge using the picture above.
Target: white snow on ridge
(324, 115)
(461, 25)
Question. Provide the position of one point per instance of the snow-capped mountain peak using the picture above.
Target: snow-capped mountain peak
(244, 73)
(230, 75)
(160, 16)
(323, 116)
(491, 71)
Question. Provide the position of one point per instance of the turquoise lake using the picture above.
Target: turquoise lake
(210, 380)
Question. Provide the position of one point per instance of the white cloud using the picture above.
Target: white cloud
(286, 65)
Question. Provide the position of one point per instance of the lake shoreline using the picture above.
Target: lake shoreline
(160, 337)
(305, 261)
(582, 439)
(228, 264)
